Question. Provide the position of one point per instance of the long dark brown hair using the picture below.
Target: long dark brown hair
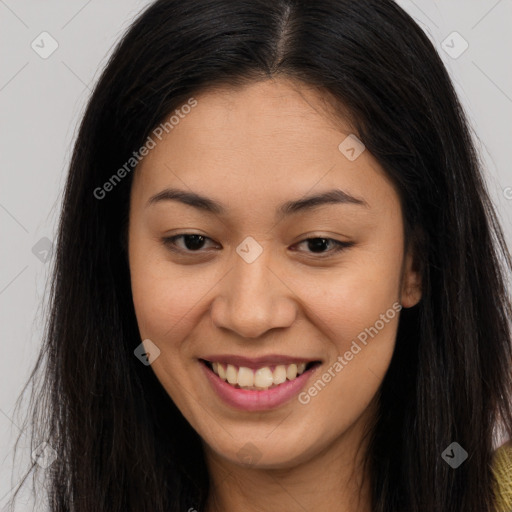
(121, 443)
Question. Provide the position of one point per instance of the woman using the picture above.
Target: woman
(280, 281)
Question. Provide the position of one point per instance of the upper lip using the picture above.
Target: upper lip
(257, 362)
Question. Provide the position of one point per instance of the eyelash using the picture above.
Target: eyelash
(169, 242)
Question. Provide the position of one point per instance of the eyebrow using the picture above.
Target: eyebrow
(334, 196)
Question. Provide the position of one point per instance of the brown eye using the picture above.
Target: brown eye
(317, 245)
(192, 242)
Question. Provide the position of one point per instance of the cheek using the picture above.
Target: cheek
(358, 310)
(362, 336)
(349, 299)
(166, 311)
(164, 297)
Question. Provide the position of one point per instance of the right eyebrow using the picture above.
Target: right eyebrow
(334, 196)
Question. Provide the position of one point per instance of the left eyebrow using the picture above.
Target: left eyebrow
(334, 196)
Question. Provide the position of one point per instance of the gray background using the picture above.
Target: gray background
(42, 99)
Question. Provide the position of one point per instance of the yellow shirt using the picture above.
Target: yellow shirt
(502, 468)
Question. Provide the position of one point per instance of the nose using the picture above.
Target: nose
(254, 298)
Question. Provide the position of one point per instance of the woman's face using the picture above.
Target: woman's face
(254, 292)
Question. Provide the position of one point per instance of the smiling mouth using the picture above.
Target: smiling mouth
(260, 379)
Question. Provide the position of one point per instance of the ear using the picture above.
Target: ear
(411, 291)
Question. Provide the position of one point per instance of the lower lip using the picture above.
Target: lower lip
(252, 400)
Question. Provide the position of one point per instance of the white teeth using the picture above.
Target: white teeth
(262, 378)
(245, 377)
(221, 372)
(280, 374)
(291, 371)
(231, 374)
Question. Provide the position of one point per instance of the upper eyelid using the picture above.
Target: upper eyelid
(172, 237)
(338, 243)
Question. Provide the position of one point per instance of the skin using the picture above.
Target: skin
(253, 148)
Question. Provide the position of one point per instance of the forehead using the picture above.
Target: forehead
(270, 141)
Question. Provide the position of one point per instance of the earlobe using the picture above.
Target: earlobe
(411, 292)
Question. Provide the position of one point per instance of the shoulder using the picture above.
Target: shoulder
(502, 468)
